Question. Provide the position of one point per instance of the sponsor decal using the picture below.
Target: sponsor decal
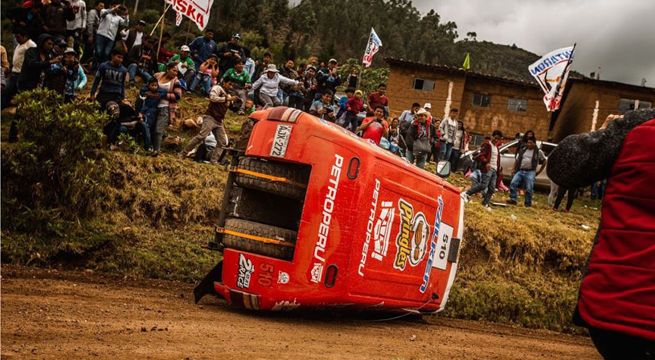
(285, 305)
(282, 277)
(326, 217)
(433, 245)
(281, 140)
(317, 272)
(383, 230)
(443, 246)
(412, 237)
(369, 227)
(265, 276)
(246, 268)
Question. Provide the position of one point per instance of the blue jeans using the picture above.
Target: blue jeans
(488, 182)
(104, 45)
(420, 158)
(133, 70)
(525, 177)
(201, 79)
(445, 149)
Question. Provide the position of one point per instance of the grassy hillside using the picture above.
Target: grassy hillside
(517, 265)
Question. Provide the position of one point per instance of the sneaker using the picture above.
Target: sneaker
(465, 196)
(511, 201)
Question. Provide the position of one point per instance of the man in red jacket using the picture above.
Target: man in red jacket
(489, 165)
(617, 294)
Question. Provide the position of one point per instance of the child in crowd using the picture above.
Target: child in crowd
(354, 106)
(206, 76)
(149, 97)
(249, 107)
(66, 76)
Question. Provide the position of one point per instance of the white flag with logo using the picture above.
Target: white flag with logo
(196, 10)
(551, 72)
(373, 46)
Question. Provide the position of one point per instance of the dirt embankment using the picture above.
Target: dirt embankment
(59, 315)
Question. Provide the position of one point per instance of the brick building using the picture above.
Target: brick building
(485, 102)
(489, 102)
(587, 102)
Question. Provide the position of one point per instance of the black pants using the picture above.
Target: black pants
(613, 345)
(560, 195)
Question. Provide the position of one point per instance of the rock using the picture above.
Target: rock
(143, 329)
(413, 338)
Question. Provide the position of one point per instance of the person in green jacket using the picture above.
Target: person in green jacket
(241, 82)
(186, 67)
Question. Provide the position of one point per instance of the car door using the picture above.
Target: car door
(508, 157)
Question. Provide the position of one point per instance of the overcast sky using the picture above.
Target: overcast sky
(617, 35)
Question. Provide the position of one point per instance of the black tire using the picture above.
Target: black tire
(258, 247)
(297, 175)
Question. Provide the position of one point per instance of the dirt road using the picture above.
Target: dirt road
(71, 315)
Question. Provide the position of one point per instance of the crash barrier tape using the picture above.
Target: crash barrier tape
(253, 237)
(267, 177)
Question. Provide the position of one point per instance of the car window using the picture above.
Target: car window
(547, 148)
(510, 150)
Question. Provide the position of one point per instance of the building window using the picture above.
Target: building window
(517, 104)
(481, 100)
(476, 140)
(423, 84)
(645, 104)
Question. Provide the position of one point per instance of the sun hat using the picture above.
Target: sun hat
(272, 68)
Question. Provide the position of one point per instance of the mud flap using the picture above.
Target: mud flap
(206, 286)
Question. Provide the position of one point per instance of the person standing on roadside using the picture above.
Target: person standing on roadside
(375, 127)
(489, 160)
(92, 22)
(418, 139)
(448, 130)
(110, 21)
(75, 26)
(525, 171)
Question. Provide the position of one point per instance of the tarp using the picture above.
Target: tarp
(196, 10)
(551, 72)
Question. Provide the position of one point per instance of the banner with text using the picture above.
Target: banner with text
(196, 10)
(373, 46)
(551, 72)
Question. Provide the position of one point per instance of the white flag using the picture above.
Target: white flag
(373, 46)
(196, 10)
(178, 18)
(551, 72)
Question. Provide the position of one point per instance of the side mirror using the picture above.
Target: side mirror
(443, 169)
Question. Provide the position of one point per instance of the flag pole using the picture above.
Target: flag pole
(160, 19)
(161, 32)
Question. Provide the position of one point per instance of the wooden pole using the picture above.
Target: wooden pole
(161, 32)
(136, 6)
(160, 19)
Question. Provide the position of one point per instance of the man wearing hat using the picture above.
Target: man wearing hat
(133, 37)
(186, 66)
(328, 77)
(229, 53)
(66, 75)
(269, 85)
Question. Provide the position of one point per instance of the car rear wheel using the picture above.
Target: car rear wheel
(259, 238)
(275, 178)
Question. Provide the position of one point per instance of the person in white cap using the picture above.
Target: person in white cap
(186, 67)
(229, 53)
(269, 83)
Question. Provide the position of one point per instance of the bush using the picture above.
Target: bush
(56, 170)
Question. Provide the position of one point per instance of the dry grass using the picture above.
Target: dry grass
(517, 265)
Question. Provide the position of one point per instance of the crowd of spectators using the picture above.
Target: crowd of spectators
(57, 44)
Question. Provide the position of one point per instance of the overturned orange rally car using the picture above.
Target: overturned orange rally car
(314, 216)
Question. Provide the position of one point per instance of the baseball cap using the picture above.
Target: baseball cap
(236, 36)
(70, 51)
(333, 60)
(427, 106)
(185, 48)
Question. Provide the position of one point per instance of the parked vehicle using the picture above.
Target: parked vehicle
(314, 216)
(507, 157)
